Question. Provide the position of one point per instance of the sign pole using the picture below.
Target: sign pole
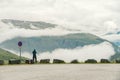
(20, 53)
(20, 46)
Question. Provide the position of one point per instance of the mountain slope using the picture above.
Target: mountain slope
(28, 24)
(5, 55)
(50, 43)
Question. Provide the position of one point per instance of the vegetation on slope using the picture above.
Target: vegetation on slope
(6, 55)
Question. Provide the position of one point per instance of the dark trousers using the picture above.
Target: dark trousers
(34, 58)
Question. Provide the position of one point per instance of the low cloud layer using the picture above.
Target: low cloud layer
(99, 51)
(10, 31)
(112, 37)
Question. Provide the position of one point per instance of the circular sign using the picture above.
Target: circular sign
(19, 43)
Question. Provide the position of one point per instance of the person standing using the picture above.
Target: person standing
(34, 56)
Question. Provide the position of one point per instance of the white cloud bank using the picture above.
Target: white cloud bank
(103, 50)
(112, 37)
(10, 31)
(93, 16)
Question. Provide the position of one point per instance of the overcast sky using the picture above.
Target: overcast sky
(98, 17)
(94, 16)
(76, 12)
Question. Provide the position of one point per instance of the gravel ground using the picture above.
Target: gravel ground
(61, 72)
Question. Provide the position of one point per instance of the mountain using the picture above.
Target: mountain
(6, 55)
(50, 43)
(116, 41)
(45, 43)
(28, 24)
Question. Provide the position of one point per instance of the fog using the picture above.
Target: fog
(99, 51)
(10, 32)
(99, 17)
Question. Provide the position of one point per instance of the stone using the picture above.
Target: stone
(58, 61)
(74, 61)
(14, 61)
(117, 61)
(91, 61)
(45, 61)
(104, 61)
(1, 62)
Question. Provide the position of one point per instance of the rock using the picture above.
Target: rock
(74, 61)
(104, 61)
(29, 62)
(117, 61)
(1, 62)
(58, 61)
(91, 61)
(45, 61)
(14, 61)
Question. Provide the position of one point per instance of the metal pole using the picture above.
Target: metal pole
(20, 46)
(20, 53)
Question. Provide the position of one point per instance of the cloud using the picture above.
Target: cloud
(98, 17)
(10, 31)
(99, 51)
(93, 16)
(112, 37)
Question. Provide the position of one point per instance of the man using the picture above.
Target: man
(34, 56)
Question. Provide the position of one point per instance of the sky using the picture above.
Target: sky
(98, 17)
(75, 12)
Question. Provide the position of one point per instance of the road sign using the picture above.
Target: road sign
(19, 43)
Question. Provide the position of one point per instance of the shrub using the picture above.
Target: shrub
(74, 61)
(14, 61)
(104, 61)
(1, 62)
(58, 61)
(45, 61)
(117, 61)
(29, 61)
(91, 61)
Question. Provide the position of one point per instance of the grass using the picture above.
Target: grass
(6, 55)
